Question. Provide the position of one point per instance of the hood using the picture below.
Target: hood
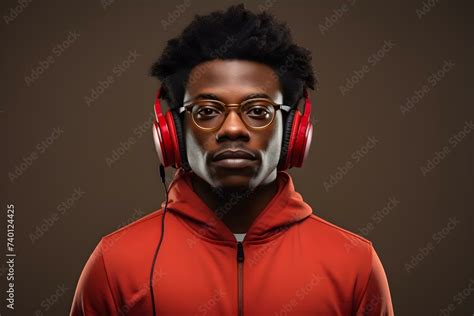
(284, 209)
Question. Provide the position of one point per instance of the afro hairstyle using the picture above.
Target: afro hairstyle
(236, 33)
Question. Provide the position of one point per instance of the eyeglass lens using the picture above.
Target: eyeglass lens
(255, 113)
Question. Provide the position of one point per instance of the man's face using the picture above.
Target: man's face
(233, 81)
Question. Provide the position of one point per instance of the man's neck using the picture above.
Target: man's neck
(237, 209)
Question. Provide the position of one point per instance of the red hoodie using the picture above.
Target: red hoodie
(291, 262)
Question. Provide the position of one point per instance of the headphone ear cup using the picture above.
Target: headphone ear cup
(302, 142)
(173, 153)
(158, 140)
(303, 129)
(307, 144)
(292, 149)
(183, 159)
(282, 165)
(162, 139)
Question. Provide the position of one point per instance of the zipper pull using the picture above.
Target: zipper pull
(240, 252)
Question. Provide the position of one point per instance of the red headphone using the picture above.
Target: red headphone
(171, 150)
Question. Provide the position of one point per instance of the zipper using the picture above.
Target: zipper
(240, 278)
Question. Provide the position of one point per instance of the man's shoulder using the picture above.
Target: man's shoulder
(344, 254)
(120, 262)
(338, 238)
(352, 262)
(139, 224)
(133, 235)
(335, 229)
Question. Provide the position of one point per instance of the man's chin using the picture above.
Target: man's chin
(233, 183)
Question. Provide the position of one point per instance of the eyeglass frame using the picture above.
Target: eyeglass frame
(276, 106)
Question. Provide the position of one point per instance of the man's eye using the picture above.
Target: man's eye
(258, 112)
(208, 112)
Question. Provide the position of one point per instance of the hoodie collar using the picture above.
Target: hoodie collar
(284, 209)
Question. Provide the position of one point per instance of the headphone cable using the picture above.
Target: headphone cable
(162, 176)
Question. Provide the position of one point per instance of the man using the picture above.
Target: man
(239, 239)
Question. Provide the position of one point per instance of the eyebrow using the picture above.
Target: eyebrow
(214, 97)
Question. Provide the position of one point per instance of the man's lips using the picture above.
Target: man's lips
(234, 154)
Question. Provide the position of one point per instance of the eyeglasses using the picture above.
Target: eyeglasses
(210, 114)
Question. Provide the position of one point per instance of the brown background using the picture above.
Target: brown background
(77, 159)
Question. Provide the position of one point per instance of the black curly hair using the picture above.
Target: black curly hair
(236, 33)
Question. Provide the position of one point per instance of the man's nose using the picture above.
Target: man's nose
(233, 127)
